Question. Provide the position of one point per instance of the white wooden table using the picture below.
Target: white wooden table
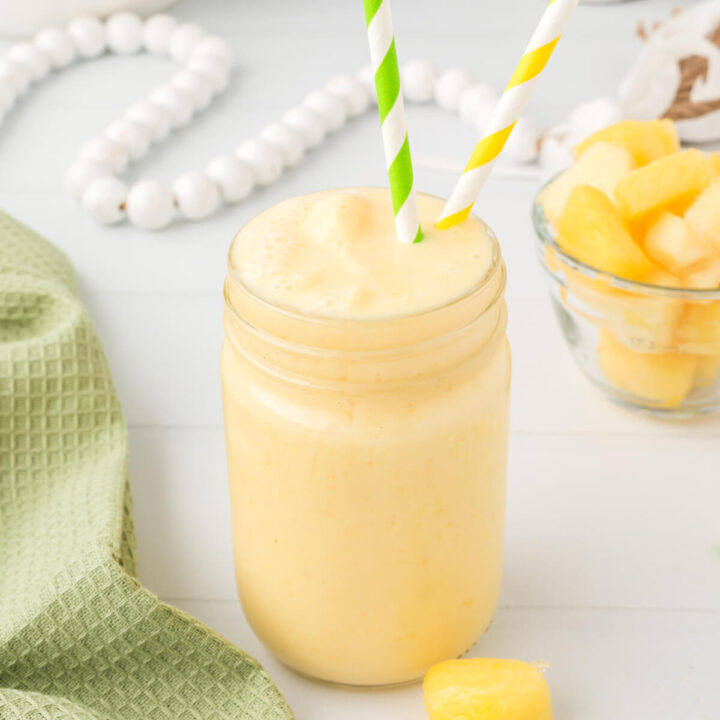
(613, 544)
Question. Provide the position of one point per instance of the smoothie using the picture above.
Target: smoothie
(365, 387)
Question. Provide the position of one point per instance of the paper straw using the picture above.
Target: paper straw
(516, 95)
(383, 58)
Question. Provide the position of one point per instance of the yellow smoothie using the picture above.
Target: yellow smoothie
(365, 387)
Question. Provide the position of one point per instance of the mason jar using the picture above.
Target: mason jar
(366, 463)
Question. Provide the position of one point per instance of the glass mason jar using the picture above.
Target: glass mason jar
(366, 462)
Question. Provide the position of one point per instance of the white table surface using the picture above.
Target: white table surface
(612, 570)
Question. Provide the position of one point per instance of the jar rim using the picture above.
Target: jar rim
(359, 322)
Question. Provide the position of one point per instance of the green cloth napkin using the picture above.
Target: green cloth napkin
(80, 638)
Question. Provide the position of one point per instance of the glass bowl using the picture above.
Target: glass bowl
(646, 347)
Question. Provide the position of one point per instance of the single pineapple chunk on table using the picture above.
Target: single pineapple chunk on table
(661, 379)
(703, 216)
(674, 245)
(487, 689)
(601, 167)
(591, 230)
(645, 141)
(669, 183)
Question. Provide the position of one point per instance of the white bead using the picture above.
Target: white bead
(234, 177)
(264, 159)
(522, 145)
(80, 173)
(157, 32)
(366, 76)
(418, 79)
(449, 86)
(150, 204)
(31, 57)
(196, 86)
(88, 34)
(196, 195)
(589, 117)
(287, 140)
(183, 39)
(178, 105)
(154, 118)
(134, 136)
(57, 45)
(215, 71)
(104, 200)
(477, 104)
(124, 33)
(14, 76)
(215, 47)
(108, 152)
(329, 107)
(308, 123)
(352, 92)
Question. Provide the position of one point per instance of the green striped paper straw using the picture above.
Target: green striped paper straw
(383, 58)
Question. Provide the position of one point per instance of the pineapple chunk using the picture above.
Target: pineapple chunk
(699, 328)
(705, 276)
(669, 183)
(715, 162)
(601, 167)
(703, 216)
(591, 230)
(674, 245)
(707, 370)
(486, 689)
(645, 141)
(661, 379)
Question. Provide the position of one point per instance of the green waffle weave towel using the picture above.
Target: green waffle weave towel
(79, 637)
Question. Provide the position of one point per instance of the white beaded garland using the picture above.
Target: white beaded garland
(329, 106)
(106, 151)
(216, 71)
(308, 123)
(196, 195)
(124, 33)
(258, 161)
(450, 86)
(104, 200)
(234, 177)
(213, 47)
(134, 136)
(264, 159)
(183, 39)
(477, 103)
(177, 104)
(150, 204)
(152, 117)
(80, 173)
(352, 92)
(157, 32)
(418, 80)
(57, 45)
(196, 86)
(287, 140)
(32, 58)
(88, 35)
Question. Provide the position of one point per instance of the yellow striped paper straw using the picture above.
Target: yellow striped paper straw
(516, 95)
(384, 62)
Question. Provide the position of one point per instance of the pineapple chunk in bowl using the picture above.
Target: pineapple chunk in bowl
(631, 248)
